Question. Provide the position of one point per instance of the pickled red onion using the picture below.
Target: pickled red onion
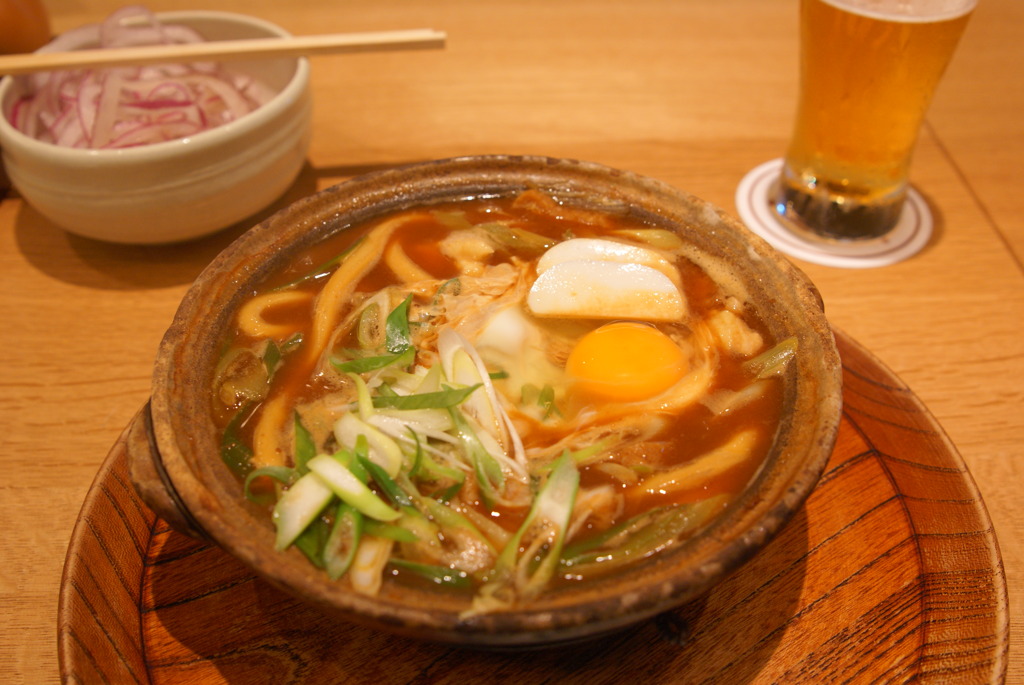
(130, 106)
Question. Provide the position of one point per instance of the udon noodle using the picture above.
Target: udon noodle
(499, 396)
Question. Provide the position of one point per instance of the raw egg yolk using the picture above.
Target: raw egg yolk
(625, 361)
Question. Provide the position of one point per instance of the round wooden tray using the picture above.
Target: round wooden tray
(890, 573)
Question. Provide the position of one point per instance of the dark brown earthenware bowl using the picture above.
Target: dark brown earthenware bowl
(174, 444)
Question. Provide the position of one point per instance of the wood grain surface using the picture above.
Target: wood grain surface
(891, 573)
(693, 93)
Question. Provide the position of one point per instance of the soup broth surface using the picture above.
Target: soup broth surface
(498, 396)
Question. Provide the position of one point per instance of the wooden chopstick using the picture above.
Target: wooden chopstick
(297, 46)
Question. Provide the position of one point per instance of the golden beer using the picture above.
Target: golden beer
(868, 71)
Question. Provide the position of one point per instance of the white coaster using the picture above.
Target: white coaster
(907, 238)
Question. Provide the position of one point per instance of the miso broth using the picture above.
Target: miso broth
(495, 395)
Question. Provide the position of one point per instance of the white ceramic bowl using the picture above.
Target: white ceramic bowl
(180, 189)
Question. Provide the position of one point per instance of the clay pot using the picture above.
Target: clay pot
(174, 449)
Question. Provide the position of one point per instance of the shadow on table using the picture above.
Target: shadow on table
(111, 266)
(938, 221)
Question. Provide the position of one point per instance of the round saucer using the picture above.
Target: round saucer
(908, 237)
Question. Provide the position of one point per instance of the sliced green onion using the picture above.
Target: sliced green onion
(441, 399)
(272, 357)
(490, 478)
(576, 552)
(350, 489)
(448, 518)
(387, 485)
(364, 401)
(298, 507)
(591, 453)
(282, 474)
(546, 400)
(370, 328)
(350, 460)
(517, 239)
(383, 451)
(772, 361)
(464, 367)
(311, 541)
(305, 448)
(441, 575)
(448, 494)
(322, 270)
(367, 364)
(440, 471)
(417, 455)
(642, 536)
(396, 328)
(528, 573)
(340, 547)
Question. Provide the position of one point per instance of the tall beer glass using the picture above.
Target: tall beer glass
(868, 70)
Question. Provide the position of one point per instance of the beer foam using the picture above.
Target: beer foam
(906, 10)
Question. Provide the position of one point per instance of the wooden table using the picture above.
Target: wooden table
(693, 93)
